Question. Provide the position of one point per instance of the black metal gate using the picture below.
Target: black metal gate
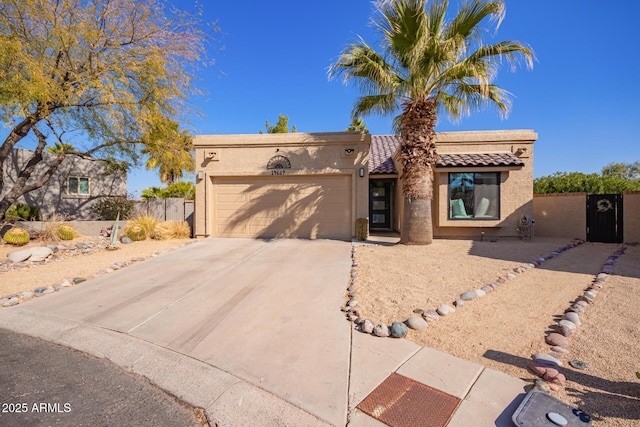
(604, 218)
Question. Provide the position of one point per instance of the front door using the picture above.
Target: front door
(604, 218)
(380, 204)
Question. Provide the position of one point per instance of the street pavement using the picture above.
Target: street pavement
(44, 384)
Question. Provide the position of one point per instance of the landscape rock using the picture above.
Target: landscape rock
(480, 292)
(77, 280)
(417, 323)
(444, 309)
(564, 330)
(26, 296)
(567, 323)
(579, 364)
(458, 304)
(469, 295)
(430, 315)
(367, 326)
(399, 329)
(381, 330)
(40, 253)
(560, 350)
(556, 339)
(125, 240)
(19, 256)
(572, 317)
(11, 302)
(547, 359)
(576, 308)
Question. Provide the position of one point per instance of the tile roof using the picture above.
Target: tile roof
(479, 159)
(383, 147)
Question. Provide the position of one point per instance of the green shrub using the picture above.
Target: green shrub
(108, 208)
(21, 211)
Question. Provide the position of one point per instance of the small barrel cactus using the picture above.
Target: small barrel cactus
(17, 236)
(64, 232)
(136, 232)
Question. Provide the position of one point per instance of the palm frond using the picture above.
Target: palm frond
(466, 22)
(382, 105)
(368, 69)
(512, 52)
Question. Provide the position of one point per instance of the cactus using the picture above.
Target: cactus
(136, 232)
(17, 236)
(64, 232)
(362, 228)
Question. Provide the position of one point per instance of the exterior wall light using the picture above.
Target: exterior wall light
(200, 175)
(361, 172)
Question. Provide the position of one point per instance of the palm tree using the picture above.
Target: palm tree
(169, 150)
(357, 125)
(60, 147)
(429, 64)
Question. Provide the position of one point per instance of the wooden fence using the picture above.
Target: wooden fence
(171, 209)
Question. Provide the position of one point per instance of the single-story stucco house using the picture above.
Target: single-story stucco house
(73, 188)
(315, 185)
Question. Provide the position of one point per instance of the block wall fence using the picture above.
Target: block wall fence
(565, 215)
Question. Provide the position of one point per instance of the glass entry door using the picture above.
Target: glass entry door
(380, 204)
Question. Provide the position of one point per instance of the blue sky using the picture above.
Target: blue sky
(581, 97)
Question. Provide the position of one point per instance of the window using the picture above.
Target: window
(78, 186)
(474, 195)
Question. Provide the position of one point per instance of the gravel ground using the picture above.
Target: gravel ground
(502, 330)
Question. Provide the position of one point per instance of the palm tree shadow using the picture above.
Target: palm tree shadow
(296, 204)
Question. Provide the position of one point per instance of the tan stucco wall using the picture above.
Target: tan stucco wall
(631, 219)
(560, 215)
(309, 153)
(516, 187)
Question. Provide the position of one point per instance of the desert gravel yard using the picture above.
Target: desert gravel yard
(503, 329)
(71, 264)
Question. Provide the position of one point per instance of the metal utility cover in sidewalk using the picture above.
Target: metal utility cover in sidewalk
(401, 401)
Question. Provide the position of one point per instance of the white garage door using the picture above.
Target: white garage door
(283, 206)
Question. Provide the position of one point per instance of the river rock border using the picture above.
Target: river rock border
(423, 317)
(61, 252)
(548, 366)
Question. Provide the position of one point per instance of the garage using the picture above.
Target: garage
(282, 206)
(297, 185)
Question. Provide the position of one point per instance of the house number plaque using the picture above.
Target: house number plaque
(278, 164)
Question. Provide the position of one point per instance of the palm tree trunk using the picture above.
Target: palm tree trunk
(418, 157)
(417, 224)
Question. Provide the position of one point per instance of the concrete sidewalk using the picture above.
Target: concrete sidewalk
(251, 331)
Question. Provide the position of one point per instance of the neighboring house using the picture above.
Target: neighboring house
(72, 190)
(315, 185)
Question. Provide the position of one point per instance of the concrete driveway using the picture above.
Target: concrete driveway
(243, 328)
